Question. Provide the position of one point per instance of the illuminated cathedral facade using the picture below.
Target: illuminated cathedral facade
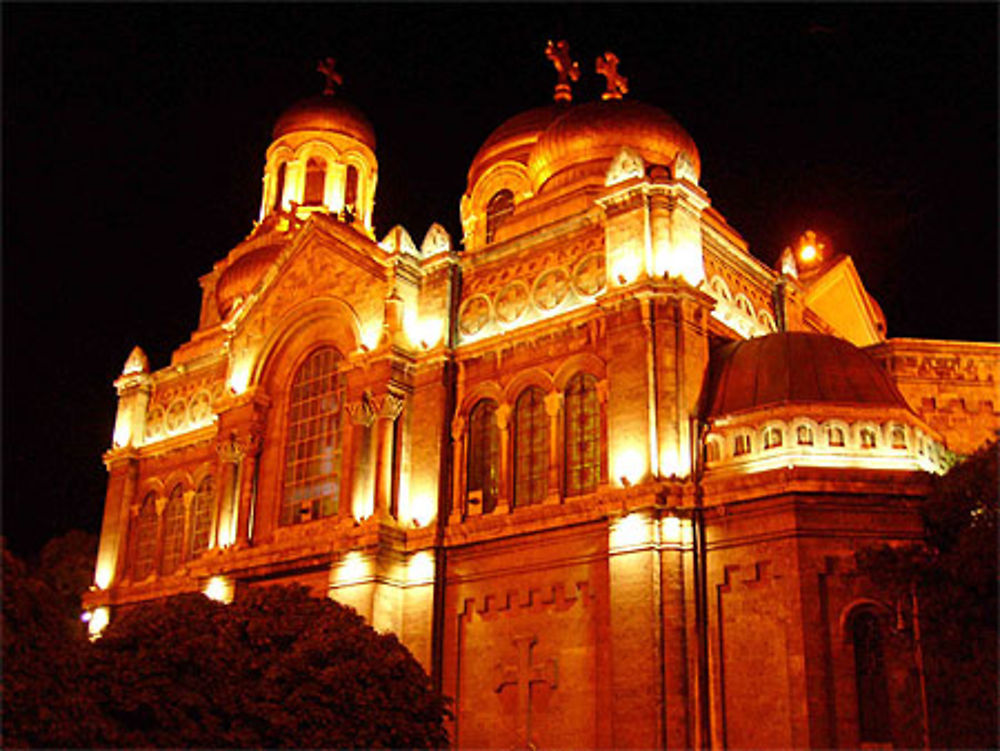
(601, 470)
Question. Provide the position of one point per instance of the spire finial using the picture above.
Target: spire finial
(607, 66)
(566, 69)
(328, 68)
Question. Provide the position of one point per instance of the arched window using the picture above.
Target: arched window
(531, 447)
(201, 516)
(741, 445)
(484, 454)
(867, 438)
(501, 206)
(804, 435)
(145, 539)
(315, 182)
(712, 452)
(772, 438)
(173, 531)
(279, 188)
(870, 676)
(351, 187)
(583, 435)
(835, 436)
(312, 447)
(898, 437)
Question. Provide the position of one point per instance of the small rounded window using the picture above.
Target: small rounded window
(500, 207)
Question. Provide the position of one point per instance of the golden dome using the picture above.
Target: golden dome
(239, 279)
(513, 139)
(329, 113)
(582, 142)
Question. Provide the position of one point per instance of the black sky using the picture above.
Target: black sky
(134, 139)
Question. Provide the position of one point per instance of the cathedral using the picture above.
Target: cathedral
(601, 470)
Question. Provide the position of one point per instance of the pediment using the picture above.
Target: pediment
(840, 299)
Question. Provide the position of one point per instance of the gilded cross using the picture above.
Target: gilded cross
(523, 675)
(328, 68)
(607, 66)
(566, 69)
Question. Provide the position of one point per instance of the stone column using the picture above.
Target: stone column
(250, 445)
(553, 408)
(362, 418)
(459, 468)
(387, 408)
(230, 455)
(505, 491)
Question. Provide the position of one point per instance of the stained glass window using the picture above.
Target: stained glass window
(583, 435)
(173, 532)
(201, 516)
(313, 447)
(501, 206)
(531, 447)
(145, 539)
(484, 454)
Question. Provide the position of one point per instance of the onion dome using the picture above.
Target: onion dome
(794, 368)
(241, 276)
(581, 143)
(326, 113)
(513, 140)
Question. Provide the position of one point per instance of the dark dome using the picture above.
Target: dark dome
(242, 276)
(513, 139)
(795, 367)
(584, 140)
(326, 112)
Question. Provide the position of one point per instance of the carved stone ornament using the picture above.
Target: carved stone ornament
(387, 406)
(137, 362)
(177, 415)
(398, 240)
(229, 449)
(512, 301)
(154, 423)
(627, 164)
(551, 288)
(589, 276)
(361, 412)
(474, 315)
(684, 168)
(200, 407)
(435, 241)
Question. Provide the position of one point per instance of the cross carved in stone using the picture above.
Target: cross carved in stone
(607, 66)
(328, 68)
(522, 676)
(566, 69)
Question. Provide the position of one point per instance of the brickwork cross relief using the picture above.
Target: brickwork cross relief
(522, 676)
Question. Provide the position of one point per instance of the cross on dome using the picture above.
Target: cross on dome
(607, 66)
(328, 68)
(566, 69)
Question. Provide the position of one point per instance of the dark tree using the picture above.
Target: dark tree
(276, 668)
(952, 579)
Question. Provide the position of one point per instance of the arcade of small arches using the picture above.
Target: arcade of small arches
(833, 441)
(737, 311)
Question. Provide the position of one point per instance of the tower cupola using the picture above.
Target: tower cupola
(322, 158)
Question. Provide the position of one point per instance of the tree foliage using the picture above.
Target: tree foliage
(954, 578)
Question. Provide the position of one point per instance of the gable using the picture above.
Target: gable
(840, 300)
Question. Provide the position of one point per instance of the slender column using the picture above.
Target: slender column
(250, 446)
(387, 408)
(459, 467)
(553, 408)
(602, 398)
(362, 418)
(230, 455)
(506, 491)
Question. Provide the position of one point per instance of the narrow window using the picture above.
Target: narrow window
(315, 183)
(869, 671)
(201, 516)
(351, 187)
(531, 447)
(484, 454)
(867, 438)
(279, 188)
(772, 438)
(712, 452)
(173, 531)
(741, 445)
(804, 435)
(835, 436)
(898, 438)
(500, 207)
(145, 539)
(312, 448)
(583, 435)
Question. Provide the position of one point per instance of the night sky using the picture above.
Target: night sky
(134, 140)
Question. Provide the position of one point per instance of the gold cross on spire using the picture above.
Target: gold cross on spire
(328, 68)
(566, 69)
(607, 66)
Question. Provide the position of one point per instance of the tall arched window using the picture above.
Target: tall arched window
(531, 447)
(869, 671)
(145, 539)
(173, 531)
(201, 516)
(279, 188)
(313, 449)
(315, 182)
(351, 187)
(583, 435)
(500, 206)
(484, 454)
